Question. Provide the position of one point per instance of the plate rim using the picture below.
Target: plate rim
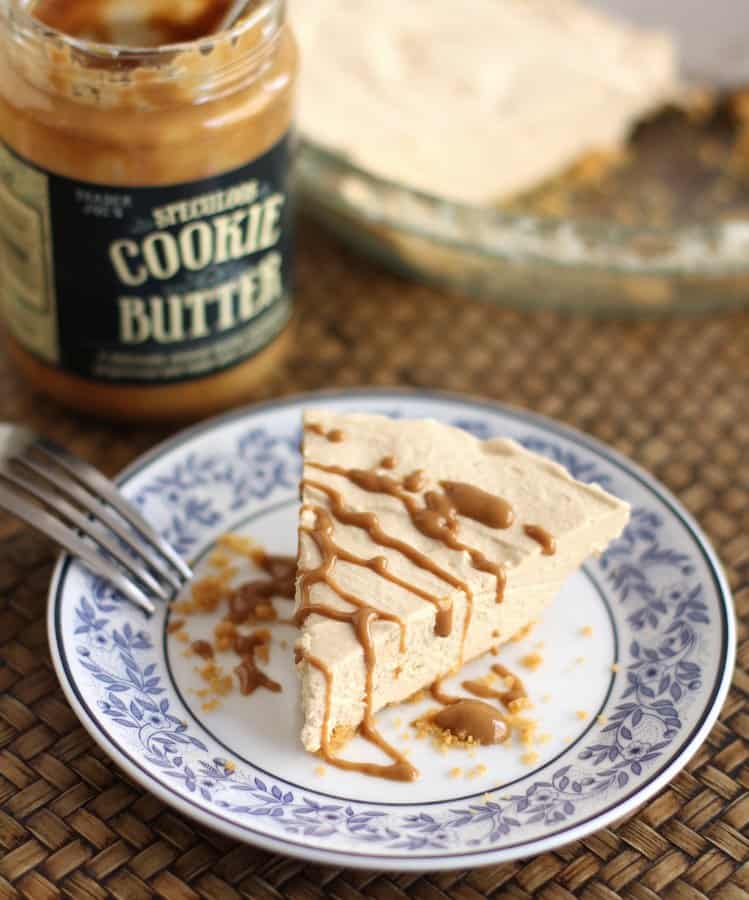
(353, 859)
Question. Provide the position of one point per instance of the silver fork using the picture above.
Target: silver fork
(83, 512)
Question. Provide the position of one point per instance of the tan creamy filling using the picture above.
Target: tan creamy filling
(477, 101)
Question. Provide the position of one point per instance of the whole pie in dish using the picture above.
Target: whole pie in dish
(420, 548)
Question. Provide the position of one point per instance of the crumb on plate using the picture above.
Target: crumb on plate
(220, 559)
(532, 661)
(225, 632)
(242, 546)
(523, 633)
(209, 591)
(526, 729)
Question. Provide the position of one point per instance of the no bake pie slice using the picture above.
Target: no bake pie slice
(420, 548)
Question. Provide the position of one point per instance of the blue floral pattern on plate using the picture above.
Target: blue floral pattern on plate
(670, 613)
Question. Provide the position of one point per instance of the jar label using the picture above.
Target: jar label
(146, 285)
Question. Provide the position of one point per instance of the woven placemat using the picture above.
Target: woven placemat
(674, 395)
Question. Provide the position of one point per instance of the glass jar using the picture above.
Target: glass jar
(145, 218)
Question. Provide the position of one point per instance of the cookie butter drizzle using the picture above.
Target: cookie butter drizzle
(280, 583)
(541, 536)
(250, 675)
(476, 504)
(361, 618)
(369, 522)
(438, 519)
(415, 481)
(335, 435)
(512, 696)
(474, 719)
(243, 602)
(330, 552)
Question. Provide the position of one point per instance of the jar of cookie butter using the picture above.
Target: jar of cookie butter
(145, 216)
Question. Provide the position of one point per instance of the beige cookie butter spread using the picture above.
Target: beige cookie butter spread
(477, 101)
(145, 248)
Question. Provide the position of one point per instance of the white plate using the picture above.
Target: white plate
(657, 603)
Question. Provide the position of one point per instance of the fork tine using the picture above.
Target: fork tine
(74, 491)
(87, 526)
(101, 487)
(43, 521)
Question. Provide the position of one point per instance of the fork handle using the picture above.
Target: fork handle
(47, 524)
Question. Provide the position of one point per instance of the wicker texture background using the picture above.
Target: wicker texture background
(674, 395)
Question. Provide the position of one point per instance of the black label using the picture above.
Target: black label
(151, 284)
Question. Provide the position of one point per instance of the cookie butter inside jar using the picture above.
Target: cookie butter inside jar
(145, 217)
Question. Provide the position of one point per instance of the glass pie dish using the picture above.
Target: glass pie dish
(526, 259)
(651, 219)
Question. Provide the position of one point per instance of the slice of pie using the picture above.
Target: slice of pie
(420, 548)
